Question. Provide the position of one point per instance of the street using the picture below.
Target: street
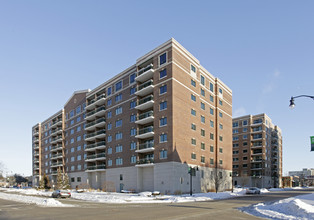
(218, 209)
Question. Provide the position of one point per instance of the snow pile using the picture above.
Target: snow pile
(33, 200)
(300, 207)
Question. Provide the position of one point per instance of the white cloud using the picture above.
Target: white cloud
(239, 112)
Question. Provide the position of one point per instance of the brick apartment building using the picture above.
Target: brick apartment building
(143, 128)
(257, 152)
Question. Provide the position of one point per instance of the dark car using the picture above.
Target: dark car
(61, 194)
(253, 190)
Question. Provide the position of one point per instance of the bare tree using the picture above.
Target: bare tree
(219, 179)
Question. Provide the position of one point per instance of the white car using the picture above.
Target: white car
(253, 190)
(61, 194)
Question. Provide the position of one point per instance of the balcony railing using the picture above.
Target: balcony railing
(95, 156)
(145, 88)
(97, 112)
(94, 135)
(145, 103)
(145, 69)
(98, 145)
(54, 156)
(145, 147)
(93, 124)
(56, 147)
(145, 161)
(96, 167)
(96, 100)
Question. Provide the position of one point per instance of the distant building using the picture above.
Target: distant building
(257, 152)
(303, 172)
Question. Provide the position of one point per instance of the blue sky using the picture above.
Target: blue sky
(263, 50)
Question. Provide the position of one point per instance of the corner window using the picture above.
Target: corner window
(163, 138)
(109, 91)
(163, 105)
(193, 69)
(162, 59)
(163, 73)
(132, 78)
(163, 121)
(163, 89)
(211, 87)
(202, 80)
(193, 97)
(193, 83)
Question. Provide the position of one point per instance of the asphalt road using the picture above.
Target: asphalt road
(219, 209)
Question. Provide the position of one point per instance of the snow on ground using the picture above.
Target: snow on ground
(299, 207)
(144, 197)
(33, 200)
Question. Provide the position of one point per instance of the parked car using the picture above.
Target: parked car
(61, 194)
(253, 190)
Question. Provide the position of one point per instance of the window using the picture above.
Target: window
(163, 89)
(220, 150)
(118, 123)
(72, 131)
(235, 166)
(118, 110)
(78, 148)
(245, 136)
(211, 161)
(235, 131)
(193, 127)
(119, 136)
(202, 159)
(162, 73)
(211, 87)
(220, 162)
(118, 148)
(132, 90)
(220, 114)
(78, 138)
(72, 178)
(119, 161)
(132, 78)
(203, 132)
(235, 124)
(163, 105)
(211, 136)
(109, 139)
(220, 138)
(211, 111)
(162, 59)
(109, 91)
(72, 140)
(163, 138)
(202, 119)
(203, 80)
(132, 118)
(109, 102)
(78, 129)
(118, 98)
(221, 126)
(203, 92)
(244, 123)
(244, 158)
(133, 132)
(193, 112)
(193, 69)
(71, 122)
(109, 114)
(84, 105)
(193, 141)
(163, 121)
(110, 150)
(235, 138)
(133, 146)
(79, 178)
(193, 83)
(244, 165)
(220, 102)
(202, 106)
(211, 148)
(71, 115)
(211, 123)
(244, 130)
(118, 86)
(245, 151)
(163, 154)
(203, 146)
(235, 159)
(78, 110)
(109, 126)
(132, 104)
(72, 159)
(79, 157)
(133, 159)
(235, 152)
(211, 98)
(193, 156)
(193, 97)
(109, 163)
(220, 90)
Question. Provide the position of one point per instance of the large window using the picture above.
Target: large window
(163, 105)
(118, 98)
(118, 110)
(193, 97)
(133, 132)
(109, 114)
(163, 121)
(109, 126)
(193, 156)
(133, 145)
(193, 83)
(163, 154)
(202, 119)
(162, 59)
(133, 159)
(203, 80)
(118, 123)
(132, 90)
(109, 91)
(119, 161)
(109, 163)
(118, 148)
(132, 78)
(132, 118)
(211, 87)
(163, 73)
(78, 110)
(163, 138)
(163, 89)
(118, 136)
(118, 86)
(132, 104)
(109, 102)
(202, 105)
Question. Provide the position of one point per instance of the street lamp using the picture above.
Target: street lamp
(292, 105)
(192, 172)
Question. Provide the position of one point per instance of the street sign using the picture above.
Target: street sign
(312, 143)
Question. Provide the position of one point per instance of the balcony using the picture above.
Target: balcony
(36, 167)
(36, 154)
(256, 146)
(54, 173)
(56, 147)
(57, 164)
(256, 161)
(56, 131)
(145, 118)
(36, 161)
(145, 89)
(96, 168)
(256, 167)
(255, 153)
(36, 140)
(36, 133)
(56, 139)
(95, 157)
(145, 147)
(146, 132)
(56, 123)
(256, 131)
(145, 103)
(99, 145)
(56, 156)
(36, 146)
(100, 122)
(145, 73)
(36, 173)
(100, 100)
(93, 136)
(145, 163)
(98, 112)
